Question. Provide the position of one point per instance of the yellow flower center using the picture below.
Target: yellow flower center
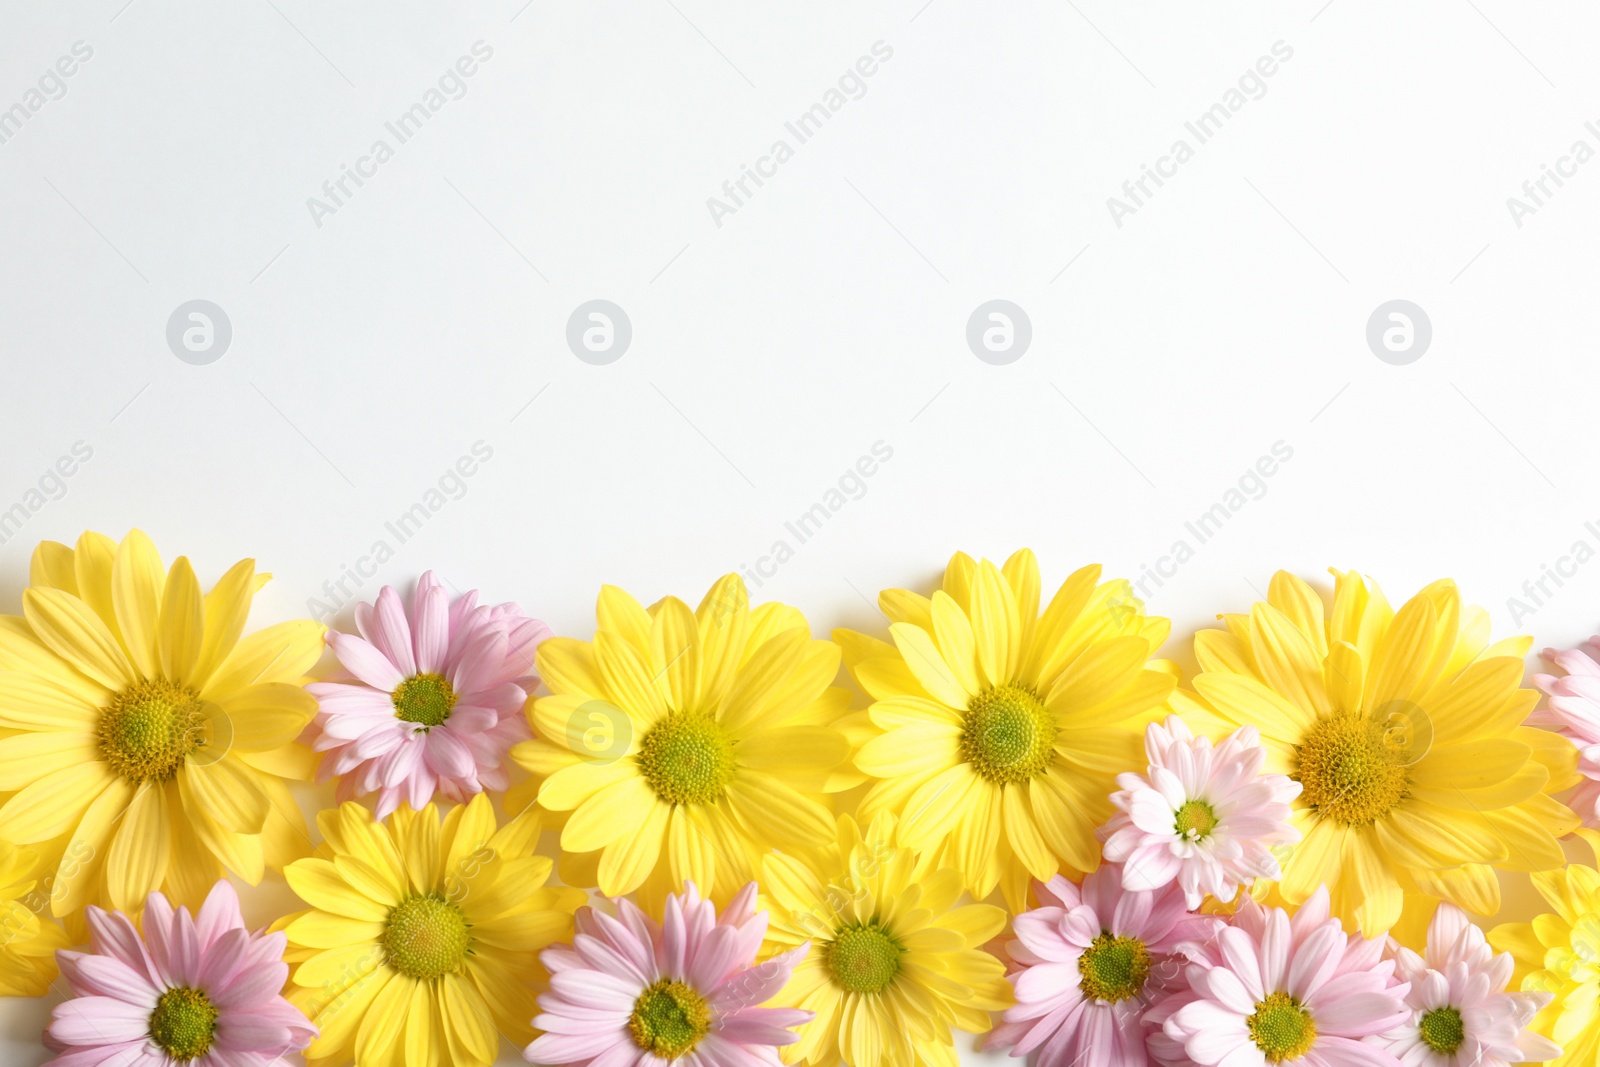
(1350, 772)
(669, 1019)
(1195, 820)
(183, 1023)
(864, 958)
(148, 729)
(1281, 1028)
(1442, 1030)
(1113, 968)
(426, 936)
(425, 699)
(1009, 735)
(686, 758)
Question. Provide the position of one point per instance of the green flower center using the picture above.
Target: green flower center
(1281, 1028)
(426, 936)
(183, 1023)
(1113, 968)
(864, 958)
(686, 758)
(1442, 1030)
(1195, 820)
(669, 1019)
(149, 728)
(425, 699)
(1350, 772)
(1009, 735)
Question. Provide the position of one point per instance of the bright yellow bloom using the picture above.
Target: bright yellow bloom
(143, 742)
(27, 943)
(422, 940)
(996, 733)
(681, 741)
(1559, 954)
(1406, 735)
(894, 964)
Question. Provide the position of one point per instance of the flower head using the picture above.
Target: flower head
(630, 990)
(28, 943)
(198, 991)
(1461, 1013)
(1268, 988)
(897, 965)
(434, 698)
(995, 731)
(1407, 733)
(1573, 710)
(146, 736)
(1091, 960)
(684, 742)
(1204, 816)
(1558, 955)
(420, 944)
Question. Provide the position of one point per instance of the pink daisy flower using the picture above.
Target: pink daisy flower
(1461, 1014)
(1204, 816)
(631, 992)
(200, 992)
(434, 699)
(1090, 961)
(1573, 711)
(1271, 989)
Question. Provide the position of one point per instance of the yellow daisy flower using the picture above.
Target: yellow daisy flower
(894, 964)
(1559, 954)
(679, 741)
(421, 943)
(1405, 731)
(143, 742)
(997, 732)
(27, 943)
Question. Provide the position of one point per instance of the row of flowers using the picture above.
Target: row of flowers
(1034, 828)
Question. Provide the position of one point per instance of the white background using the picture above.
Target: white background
(828, 313)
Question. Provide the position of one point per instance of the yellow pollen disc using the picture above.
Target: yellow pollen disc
(1009, 735)
(863, 958)
(425, 699)
(183, 1023)
(686, 758)
(148, 729)
(426, 936)
(1195, 820)
(1349, 772)
(1113, 968)
(669, 1019)
(1281, 1028)
(1442, 1030)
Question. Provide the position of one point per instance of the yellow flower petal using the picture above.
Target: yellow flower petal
(52, 805)
(228, 792)
(137, 863)
(318, 883)
(182, 627)
(608, 815)
(137, 580)
(68, 627)
(25, 758)
(924, 661)
(225, 609)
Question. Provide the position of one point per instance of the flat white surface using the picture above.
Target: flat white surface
(428, 313)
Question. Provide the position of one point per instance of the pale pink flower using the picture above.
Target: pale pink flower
(1090, 961)
(434, 697)
(632, 992)
(1573, 710)
(1461, 1014)
(1204, 816)
(197, 991)
(1271, 989)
